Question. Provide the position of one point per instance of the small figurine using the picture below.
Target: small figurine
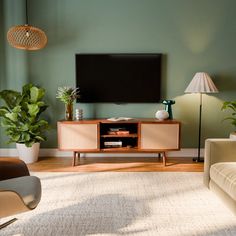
(168, 107)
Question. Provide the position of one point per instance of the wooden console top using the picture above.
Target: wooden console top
(134, 120)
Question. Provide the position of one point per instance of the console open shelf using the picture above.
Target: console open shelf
(118, 136)
(132, 136)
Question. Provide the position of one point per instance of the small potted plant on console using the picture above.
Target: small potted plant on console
(67, 95)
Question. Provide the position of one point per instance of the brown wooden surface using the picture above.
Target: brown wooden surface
(75, 140)
(130, 150)
(117, 164)
(134, 120)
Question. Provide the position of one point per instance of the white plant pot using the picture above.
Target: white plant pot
(28, 154)
(232, 135)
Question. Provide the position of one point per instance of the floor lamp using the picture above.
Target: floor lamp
(201, 83)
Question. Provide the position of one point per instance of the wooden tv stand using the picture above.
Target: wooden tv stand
(132, 136)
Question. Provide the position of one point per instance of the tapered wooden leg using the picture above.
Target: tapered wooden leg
(164, 158)
(74, 159)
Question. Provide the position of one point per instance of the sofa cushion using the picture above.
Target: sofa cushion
(224, 175)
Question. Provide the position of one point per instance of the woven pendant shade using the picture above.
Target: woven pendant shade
(26, 37)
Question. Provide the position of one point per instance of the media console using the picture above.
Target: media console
(131, 136)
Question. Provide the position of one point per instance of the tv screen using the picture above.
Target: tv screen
(119, 78)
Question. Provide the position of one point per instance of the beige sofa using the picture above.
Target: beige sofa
(220, 169)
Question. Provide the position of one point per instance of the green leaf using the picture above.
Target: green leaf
(67, 94)
(16, 109)
(3, 110)
(39, 138)
(23, 128)
(29, 143)
(25, 137)
(11, 98)
(11, 116)
(26, 89)
(40, 103)
(15, 137)
(33, 109)
(42, 123)
(42, 109)
(36, 94)
(6, 123)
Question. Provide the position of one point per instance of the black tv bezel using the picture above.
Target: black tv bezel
(159, 98)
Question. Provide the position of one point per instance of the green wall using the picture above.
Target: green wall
(193, 35)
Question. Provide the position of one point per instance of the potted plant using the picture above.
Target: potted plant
(21, 119)
(67, 95)
(231, 105)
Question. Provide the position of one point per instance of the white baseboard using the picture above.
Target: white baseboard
(54, 152)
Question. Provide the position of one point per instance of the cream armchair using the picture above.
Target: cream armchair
(19, 192)
(220, 169)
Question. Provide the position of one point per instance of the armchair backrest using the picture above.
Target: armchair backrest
(217, 150)
(11, 203)
(12, 168)
(19, 191)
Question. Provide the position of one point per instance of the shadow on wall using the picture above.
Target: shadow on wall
(2, 49)
(226, 83)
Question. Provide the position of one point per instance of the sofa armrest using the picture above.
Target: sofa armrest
(217, 150)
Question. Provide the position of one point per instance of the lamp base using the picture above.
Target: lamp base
(198, 159)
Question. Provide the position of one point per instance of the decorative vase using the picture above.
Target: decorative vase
(69, 111)
(162, 115)
(28, 154)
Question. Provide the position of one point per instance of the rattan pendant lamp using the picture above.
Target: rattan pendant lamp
(26, 37)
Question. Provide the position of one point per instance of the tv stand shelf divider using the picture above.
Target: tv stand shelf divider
(133, 136)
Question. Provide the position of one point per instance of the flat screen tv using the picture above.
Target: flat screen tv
(119, 78)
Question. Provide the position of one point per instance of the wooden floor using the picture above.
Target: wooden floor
(125, 164)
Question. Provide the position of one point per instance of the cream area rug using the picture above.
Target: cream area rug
(124, 203)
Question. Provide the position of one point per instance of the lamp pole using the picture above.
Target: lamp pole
(198, 158)
(201, 83)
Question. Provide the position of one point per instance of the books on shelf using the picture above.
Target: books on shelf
(113, 144)
(116, 129)
(122, 132)
(119, 132)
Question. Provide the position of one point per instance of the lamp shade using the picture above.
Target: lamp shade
(201, 83)
(26, 37)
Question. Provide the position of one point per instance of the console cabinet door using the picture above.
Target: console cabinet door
(77, 136)
(160, 136)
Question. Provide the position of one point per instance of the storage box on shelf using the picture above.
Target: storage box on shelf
(131, 136)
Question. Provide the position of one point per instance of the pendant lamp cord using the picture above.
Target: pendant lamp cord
(26, 12)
